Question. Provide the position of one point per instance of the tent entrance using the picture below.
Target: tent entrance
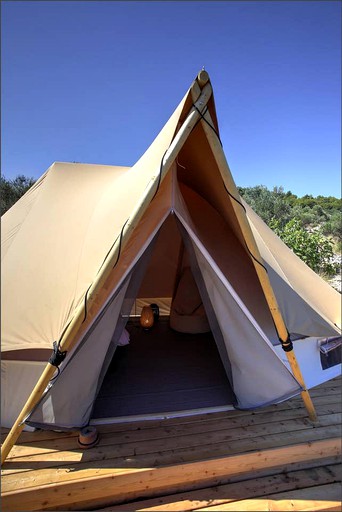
(163, 372)
(166, 370)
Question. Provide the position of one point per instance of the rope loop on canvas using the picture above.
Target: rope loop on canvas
(256, 259)
(244, 209)
(160, 174)
(85, 303)
(120, 244)
(116, 262)
(235, 199)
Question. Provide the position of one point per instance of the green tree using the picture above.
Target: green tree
(268, 204)
(321, 211)
(333, 227)
(313, 248)
(12, 190)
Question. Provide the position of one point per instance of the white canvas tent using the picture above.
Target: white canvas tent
(87, 243)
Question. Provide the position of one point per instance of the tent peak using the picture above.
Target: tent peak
(202, 77)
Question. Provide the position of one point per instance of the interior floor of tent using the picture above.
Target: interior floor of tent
(163, 371)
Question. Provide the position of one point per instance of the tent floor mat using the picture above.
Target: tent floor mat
(163, 371)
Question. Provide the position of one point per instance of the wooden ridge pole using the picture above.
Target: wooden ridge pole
(202, 98)
(246, 230)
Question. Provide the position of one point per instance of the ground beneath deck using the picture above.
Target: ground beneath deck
(163, 371)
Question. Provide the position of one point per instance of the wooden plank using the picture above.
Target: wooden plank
(149, 456)
(322, 497)
(245, 489)
(39, 477)
(92, 467)
(233, 426)
(322, 389)
(180, 422)
(260, 505)
(171, 427)
(41, 435)
(327, 399)
(110, 488)
(332, 390)
(329, 492)
(272, 410)
(167, 438)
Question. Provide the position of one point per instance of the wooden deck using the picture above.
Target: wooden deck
(270, 459)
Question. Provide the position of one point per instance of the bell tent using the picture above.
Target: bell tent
(243, 322)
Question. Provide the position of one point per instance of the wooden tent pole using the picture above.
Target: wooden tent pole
(202, 98)
(261, 271)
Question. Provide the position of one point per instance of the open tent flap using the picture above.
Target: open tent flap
(248, 349)
(18, 378)
(69, 401)
(244, 350)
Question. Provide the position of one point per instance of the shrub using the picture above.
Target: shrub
(315, 249)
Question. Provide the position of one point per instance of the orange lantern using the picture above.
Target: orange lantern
(146, 317)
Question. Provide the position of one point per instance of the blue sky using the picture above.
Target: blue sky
(95, 81)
